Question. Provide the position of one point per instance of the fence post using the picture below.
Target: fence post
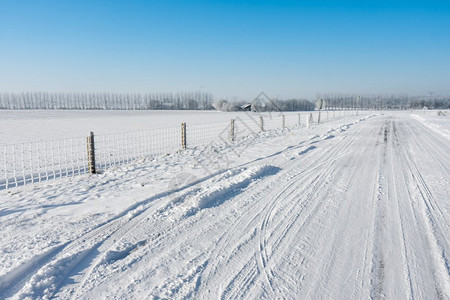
(183, 136)
(283, 121)
(232, 137)
(318, 118)
(5, 150)
(299, 123)
(261, 123)
(91, 153)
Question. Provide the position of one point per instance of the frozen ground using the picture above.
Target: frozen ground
(18, 126)
(354, 208)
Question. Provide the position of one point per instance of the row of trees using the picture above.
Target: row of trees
(381, 102)
(136, 101)
(435, 103)
(284, 105)
(205, 101)
(106, 101)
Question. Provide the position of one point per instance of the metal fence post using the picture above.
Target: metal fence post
(232, 137)
(91, 153)
(283, 121)
(261, 123)
(183, 136)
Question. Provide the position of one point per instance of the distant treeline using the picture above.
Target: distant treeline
(385, 102)
(205, 101)
(106, 101)
(137, 101)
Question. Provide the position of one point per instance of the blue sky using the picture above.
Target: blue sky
(233, 49)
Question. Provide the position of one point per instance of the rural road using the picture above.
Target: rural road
(358, 212)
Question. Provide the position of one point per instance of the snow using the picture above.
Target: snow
(440, 124)
(18, 126)
(355, 207)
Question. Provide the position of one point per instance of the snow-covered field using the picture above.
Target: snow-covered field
(354, 208)
(18, 126)
(43, 145)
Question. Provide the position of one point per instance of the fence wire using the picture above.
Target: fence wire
(37, 161)
(43, 160)
(201, 134)
(123, 148)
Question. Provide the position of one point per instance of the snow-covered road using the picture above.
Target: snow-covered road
(354, 209)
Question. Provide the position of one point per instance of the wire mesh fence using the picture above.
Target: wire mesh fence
(122, 148)
(38, 161)
(201, 134)
(43, 160)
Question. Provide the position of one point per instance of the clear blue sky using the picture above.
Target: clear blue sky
(229, 48)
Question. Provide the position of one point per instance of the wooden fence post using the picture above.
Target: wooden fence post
(91, 153)
(183, 136)
(261, 123)
(283, 121)
(232, 137)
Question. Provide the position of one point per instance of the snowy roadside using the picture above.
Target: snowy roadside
(339, 210)
(36, 218)
(438, 121)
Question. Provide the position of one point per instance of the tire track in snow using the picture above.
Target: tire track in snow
(406, 233)
(69, 254)
(428, 212)
(317, 219)
(338, 266)
(231, 183)
(392, 251)
(436, 149)
(408, 246)
(324, 161)
(292, 224)
(12, 282)
(83, 250)
(237, 180)
(75, 250)
(234, 234)
(380, 231)
(400, 218)
(300, 215)
(78, 254)
(121, 233)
